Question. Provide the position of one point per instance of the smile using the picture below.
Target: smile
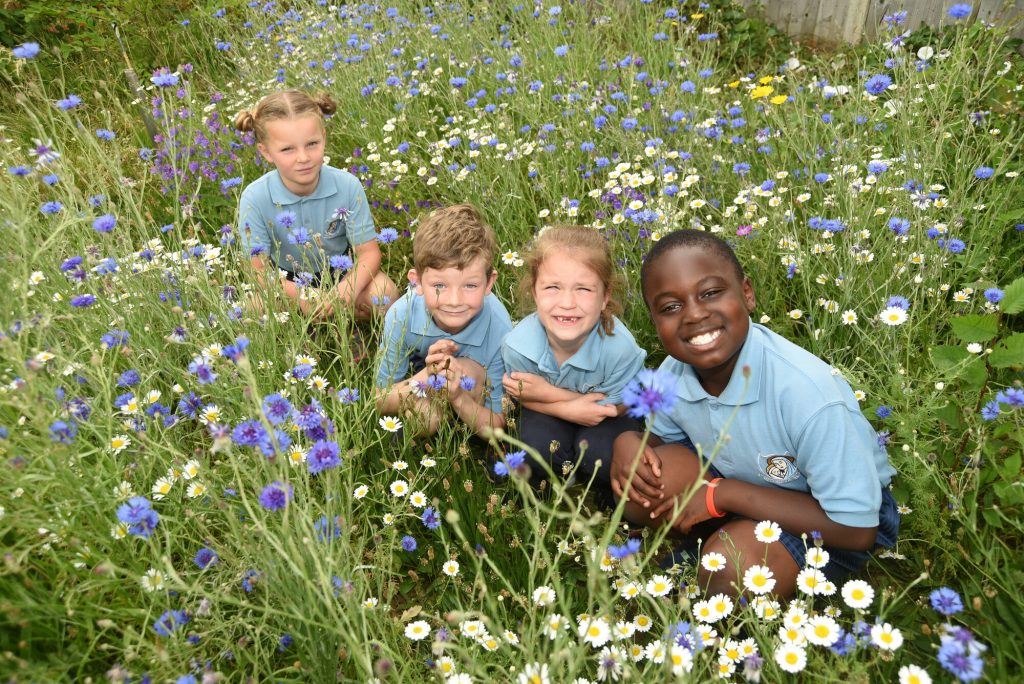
(706, 338)
(567, 320)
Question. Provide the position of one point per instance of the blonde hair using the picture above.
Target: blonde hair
(454, 236)
(284, 104)
(586, 245)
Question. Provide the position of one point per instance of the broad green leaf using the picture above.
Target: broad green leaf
(975, 327)
(1013, 300)
(1009, 352)
(946, 357)
(975, 373)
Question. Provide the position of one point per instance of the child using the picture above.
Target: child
(567, 363)
(307, 216)
(448, 327)
(798, 452)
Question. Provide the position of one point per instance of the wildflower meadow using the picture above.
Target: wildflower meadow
(197, 488)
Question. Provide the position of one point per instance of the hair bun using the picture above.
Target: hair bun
(326, 103)
(245, 121)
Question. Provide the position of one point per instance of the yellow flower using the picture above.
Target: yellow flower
(761, 91)
(734, 84)
(778, 99)
(765, 80)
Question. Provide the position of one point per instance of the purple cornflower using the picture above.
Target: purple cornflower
(946, 601)
(436, 382)
(249, 433)
(509, 463)
(200, 367)
(467, 383)
(82, 301)
(347, 395)
(276, 408)
(341, 262)
(26, 50)
(205, 557)
(994, 295)
(323, 455)
(990, 411)
(408, 543)
(983, 172)
(1012, 396)
(651, 391)
(877, 84)
(387, 236)
(286, 218)
(275, 496)
(163, 78)
(169, 622)
(69, 102)
(626, 550)
(430, 519)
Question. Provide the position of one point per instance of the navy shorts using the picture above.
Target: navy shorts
(841, 562)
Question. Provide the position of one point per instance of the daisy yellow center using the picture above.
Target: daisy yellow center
(792, 658)
(594, 631)
(858, 594)
(821, 631)
(759, 580)
(535, 679)
(886, 637)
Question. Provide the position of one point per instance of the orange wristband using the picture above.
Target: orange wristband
(709, 498)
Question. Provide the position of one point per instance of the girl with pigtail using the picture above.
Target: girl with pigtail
(305, 219)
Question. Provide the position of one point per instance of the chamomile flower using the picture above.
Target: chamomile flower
(658, 586)
(446, 666)
(886, 637)
(767, 531)
(119, 443)
(713, 562)
(317, 383)
(642, 622)
(595, 632)
(655, 652)
(912, 674)
(534, 673)
(400, 465)
(858, 594)
(451, 568)
(153, 580)
(400, 488)
(759, 579)
(390, 423)
(816, 557)
(681, 660)
(427, 462)
(791, 658)
(510, 637)
(162, 487)
(370, 602)
(821, 630)
(209, 415)
(418, 630)
(190, 469)
(893, 315)
(629, 590)
(623, 630)
(361, 491)
(544, 596)
(195, 489)
(848, 317)
(418, 499)
(296, 455)
(556, 624)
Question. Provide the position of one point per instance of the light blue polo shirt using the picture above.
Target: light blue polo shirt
(798, 426)
(336, 213)
(409, 330)
(604, 363)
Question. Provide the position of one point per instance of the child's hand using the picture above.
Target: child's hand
(438, 353)
(646, 488)
(584, 410)
(526, 386)
(694, 512)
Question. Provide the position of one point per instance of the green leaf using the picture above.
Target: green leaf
(975, 373)
(1013, 299)
(1009, 352)
(975, 327)
(991, 517)
(946, 357)
(1011, 467)
(949, 414)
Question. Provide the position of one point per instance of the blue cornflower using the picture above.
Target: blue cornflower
(63, 432)
(299, 236)
(946, 601)
(741, 168)
(436, 382)
(308, 416)
(1011, 396)
(626, 550)
(163, 78)
(877, 84)
(284, 642)
(990, 411)
(994, 295)
(21, 170)
(104, 224)
(900, 226)
(200, 367)
(897, 300)
(205, 557)
(139, 515)
(249, 580)
(236, 350)
(249, 433)
(275, 496)
(845, 644)
(876, 167)
(650, 392)
(51, 179)
(69, 102)
(286, 219)
(883, 412)
(983, 172)
(430, 519)
(408, 543)
(169, 622)
(26, 50)
(629, 123)
(114, 338)
(323, 455)
(467, 383)
(509, 463)
(561, 50)
(348, 395)
(341, 262)
(52, 207)
(129, 378)
(229, 183)
(387, 236)
(956, 246)
(276, 408)
(82, 301)
(189, 678)
(960, 10)
(966, 665)
(104, 134)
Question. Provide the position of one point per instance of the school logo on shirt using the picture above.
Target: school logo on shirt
(777, 468)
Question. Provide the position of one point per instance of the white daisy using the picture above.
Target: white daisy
(886, 637)
(858, 594)
(759, 579)
(418, 630)
(791, 658)
(767, 531)
(544, 596)
(713, 562)
(451, 568)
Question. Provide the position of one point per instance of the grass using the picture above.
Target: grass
(647, 122)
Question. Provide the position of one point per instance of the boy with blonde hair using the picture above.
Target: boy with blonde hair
(448, 328)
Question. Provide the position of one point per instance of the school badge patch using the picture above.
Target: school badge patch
(777, 468)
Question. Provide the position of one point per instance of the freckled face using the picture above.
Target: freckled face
(701, 311)
(296, 147)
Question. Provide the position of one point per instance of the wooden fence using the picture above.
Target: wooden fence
(834, 21)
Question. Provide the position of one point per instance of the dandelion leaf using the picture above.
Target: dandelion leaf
(975, 327)
(1013, 297)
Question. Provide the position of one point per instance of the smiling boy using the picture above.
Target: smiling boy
(448, 328)
(798, 451)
